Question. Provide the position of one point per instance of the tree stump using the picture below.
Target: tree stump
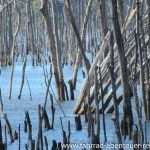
(135, 135)
(15, 136)
(32, 144)
(25, 125)
(46, 120)
(71, 90)
(54, 146)
(78, 123)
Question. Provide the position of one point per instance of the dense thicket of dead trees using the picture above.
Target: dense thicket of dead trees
(112, 35)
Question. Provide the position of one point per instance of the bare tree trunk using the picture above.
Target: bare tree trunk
(115, 118)
(121, 11)
(30, 26)
(74, 26)
(23, 77)
(141, 58)
(97, 106)
(58, 51)
(10, 28)
(103, 23)
(123, 65)
(78, 58)
(102, 97)
(44, 10)
(13, 55)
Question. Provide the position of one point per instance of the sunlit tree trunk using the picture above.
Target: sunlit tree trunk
(58, 50)
(49, 25)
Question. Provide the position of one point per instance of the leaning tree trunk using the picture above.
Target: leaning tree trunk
(83, 42)
(74, 26)
(123, 65)
(48, 21)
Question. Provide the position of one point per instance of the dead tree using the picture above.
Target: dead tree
(141, 58)
(48, 21)
(46, 142)
(102, 97)
(121, 11)
(83, 43)
(23, 77)
(103, 22)
(19, 137)
(64, 134)
(69, 132)
(29, 88)
(40, 134)
(115, 118)
(71, 90)
(29, 125)
(74, 26)
(30, 29)
(46, 120)
(4, 115)
(134, 89)
(97, 136)
(58, 48)
(127, 109)
(78, 123)
(13, 54)
(32, 144)
(53, 111)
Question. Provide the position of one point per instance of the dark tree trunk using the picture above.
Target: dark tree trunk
(123, 65)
